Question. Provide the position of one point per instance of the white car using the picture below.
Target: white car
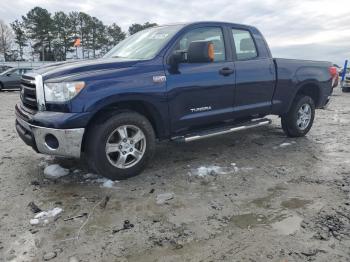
(345, 85)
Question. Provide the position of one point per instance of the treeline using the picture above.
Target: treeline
(52, 36)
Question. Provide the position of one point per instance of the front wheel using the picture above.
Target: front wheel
(121, 146)
(300, 117)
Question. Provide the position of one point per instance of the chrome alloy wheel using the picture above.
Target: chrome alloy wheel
(304, 116)
(125, 146)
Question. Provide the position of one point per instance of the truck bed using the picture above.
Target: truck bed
(290, 73)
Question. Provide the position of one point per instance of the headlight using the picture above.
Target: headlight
(62, 92)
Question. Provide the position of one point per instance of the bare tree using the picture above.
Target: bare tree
(6, 37)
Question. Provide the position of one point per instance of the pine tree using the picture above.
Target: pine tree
(62, 35)
(6, 37)
(39, 25)
(114, 34)
(134, 28)
(20, 36)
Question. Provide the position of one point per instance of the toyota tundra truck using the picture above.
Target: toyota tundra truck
(179, 82)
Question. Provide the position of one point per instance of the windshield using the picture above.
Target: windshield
(144, 44)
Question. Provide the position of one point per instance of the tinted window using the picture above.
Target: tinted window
(213, 34)
(8, 71)
(244, 43)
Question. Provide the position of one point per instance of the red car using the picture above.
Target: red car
(335, 81)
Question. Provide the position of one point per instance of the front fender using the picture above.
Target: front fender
(126, 85)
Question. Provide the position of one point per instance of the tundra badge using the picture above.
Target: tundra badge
(200, 109)
(159, 79)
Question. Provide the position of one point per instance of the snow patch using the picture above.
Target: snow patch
(108, 184)
(105, 182)
(45, 216)
(164, 198)
(285, 144)
(34, 221)
(213, 170)
(55, 171)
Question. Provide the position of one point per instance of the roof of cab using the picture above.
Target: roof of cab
(221, 23)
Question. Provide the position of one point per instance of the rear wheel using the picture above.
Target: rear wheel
(121, 146)
(298, 121)
(1, 87)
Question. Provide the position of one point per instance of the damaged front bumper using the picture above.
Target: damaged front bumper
(50, 141)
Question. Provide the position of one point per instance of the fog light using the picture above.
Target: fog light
(51, 141)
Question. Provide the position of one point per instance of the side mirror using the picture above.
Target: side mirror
(8, 74)
(200, 52)
(175, 59)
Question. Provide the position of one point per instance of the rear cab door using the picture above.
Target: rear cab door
(254, 71)
(200, 94)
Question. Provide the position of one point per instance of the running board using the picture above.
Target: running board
(226, 130)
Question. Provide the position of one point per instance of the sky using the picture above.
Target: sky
(303, 29)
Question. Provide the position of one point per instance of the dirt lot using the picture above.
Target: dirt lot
(249, 196)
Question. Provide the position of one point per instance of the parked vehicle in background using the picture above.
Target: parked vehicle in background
(11, 78)
(4, 68)
(180, 82)
(345, 85)
(336, 81)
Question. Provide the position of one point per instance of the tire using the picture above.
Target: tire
(1, 87)
(126, 158)
(345, 89)
(296, 124)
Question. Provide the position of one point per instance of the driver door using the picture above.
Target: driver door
(201, 94)
(14, 79)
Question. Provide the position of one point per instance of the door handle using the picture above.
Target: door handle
(226, 71)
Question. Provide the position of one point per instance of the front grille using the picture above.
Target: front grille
(28, 94)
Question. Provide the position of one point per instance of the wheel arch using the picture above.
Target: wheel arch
(142, 107)
(311, 89)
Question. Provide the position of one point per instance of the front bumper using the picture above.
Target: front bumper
(51, 141)
(345, 83)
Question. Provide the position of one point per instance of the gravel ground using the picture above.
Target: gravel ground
(250, 196)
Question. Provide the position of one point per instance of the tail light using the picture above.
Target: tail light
(333, 71)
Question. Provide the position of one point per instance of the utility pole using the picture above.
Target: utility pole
(43, 51)
(344, 70)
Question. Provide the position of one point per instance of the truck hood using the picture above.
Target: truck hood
(77, 67)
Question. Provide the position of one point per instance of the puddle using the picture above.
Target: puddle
(250, 220)
(283, 223)
(294, 203)
(288, 225)
(264, 202)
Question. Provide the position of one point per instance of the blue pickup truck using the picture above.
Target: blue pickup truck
(179, 82)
